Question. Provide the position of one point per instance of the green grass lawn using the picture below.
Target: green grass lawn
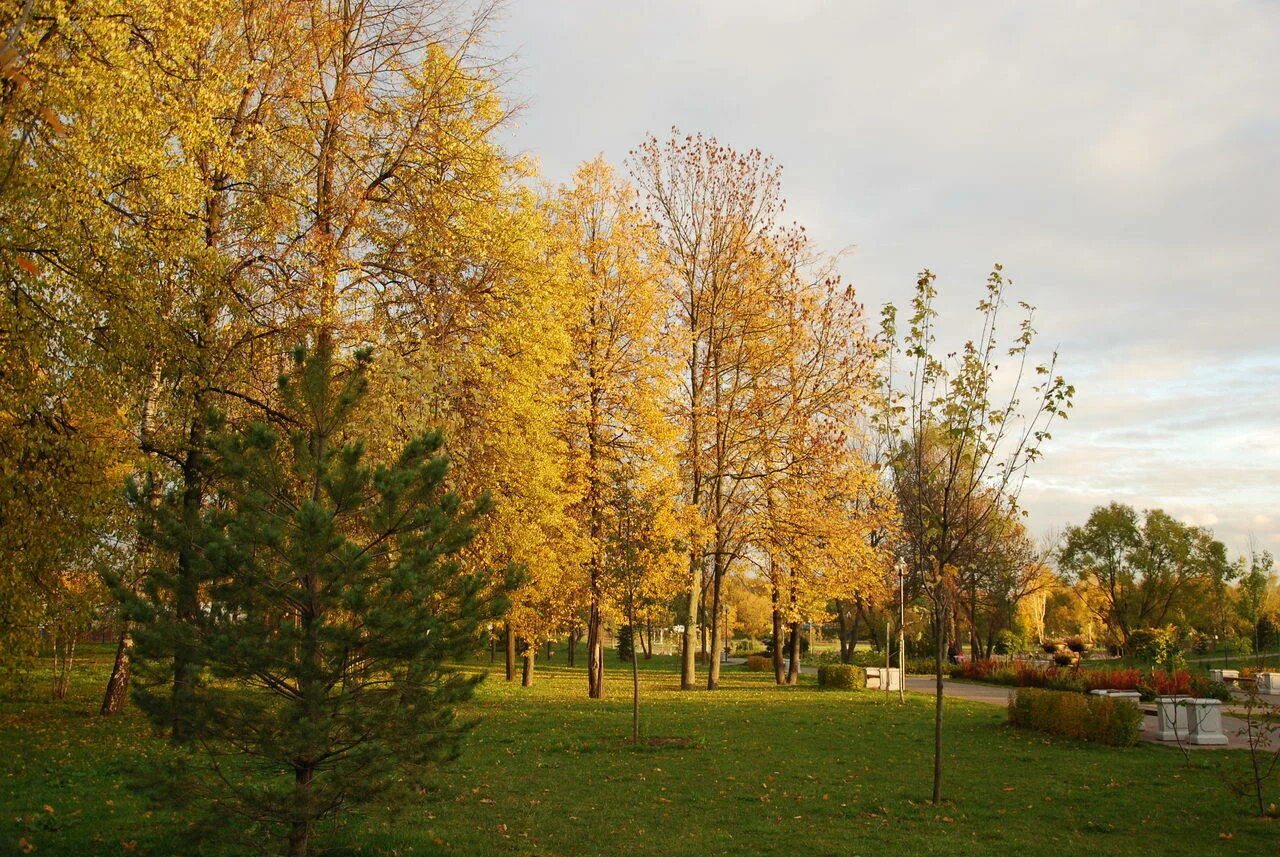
(796, 771)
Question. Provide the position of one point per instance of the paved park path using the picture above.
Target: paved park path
(1234, 728)
(992, 694)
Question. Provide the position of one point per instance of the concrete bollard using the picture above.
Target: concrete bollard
(1204, 717)
(1171, 718)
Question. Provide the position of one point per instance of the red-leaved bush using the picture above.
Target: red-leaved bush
(1171, 684)
(1117, 679)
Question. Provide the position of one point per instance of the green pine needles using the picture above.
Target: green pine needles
(331, 601)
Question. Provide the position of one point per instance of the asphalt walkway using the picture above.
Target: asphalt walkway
(1234, 728)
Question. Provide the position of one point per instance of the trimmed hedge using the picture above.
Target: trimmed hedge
(844, 676)
(1101, 719)
(759, 663)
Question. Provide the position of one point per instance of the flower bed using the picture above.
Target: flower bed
(1150, 684)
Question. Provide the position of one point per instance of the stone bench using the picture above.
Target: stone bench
(1269, 683)
(884, 678)
(1204, 717)
(1224, 676)
(1186, 718)
(1131, 695)
(1171, 718)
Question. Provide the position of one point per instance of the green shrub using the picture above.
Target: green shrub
(844, 676)
(1101, 719)
(1117, 722)
(759, 663)
(1009, 643)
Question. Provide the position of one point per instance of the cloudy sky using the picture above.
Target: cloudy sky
(1122, 160)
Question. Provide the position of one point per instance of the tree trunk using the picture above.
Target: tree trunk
(595, 652)
(940, 626)
(118, 685)
(793, 669)
(511, 652)
(717, 626)
(187, 596)
(647, 637)
(635, 676)
(117, 691)
(574, 636)
(526, 671)
(779, 676)
(688, 670)
(853, 632)
(64, 648)
(300, 829)
(842, 616)
(702, 619)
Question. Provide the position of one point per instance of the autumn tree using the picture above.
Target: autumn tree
(713, 206)
(1005, 566)
(961, 450)
(618, 378)
(1255, 572)
(643, 556)
(1141, 565)
(820, 504)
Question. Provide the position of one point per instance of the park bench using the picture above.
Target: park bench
(884, 678)
(1269, 683)
(1186, 718)
(1225, 676)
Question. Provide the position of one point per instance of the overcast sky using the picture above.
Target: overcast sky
(1122, 160)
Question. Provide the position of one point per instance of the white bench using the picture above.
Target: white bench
(1224, 675)
(1269, 683)
(1204, 716)
(884, 678)
(1171, 718)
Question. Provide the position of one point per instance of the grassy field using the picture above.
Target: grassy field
(765, 770)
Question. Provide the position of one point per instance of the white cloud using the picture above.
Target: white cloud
(1121, 159)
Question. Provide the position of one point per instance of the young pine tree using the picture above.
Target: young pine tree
(331, 601)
